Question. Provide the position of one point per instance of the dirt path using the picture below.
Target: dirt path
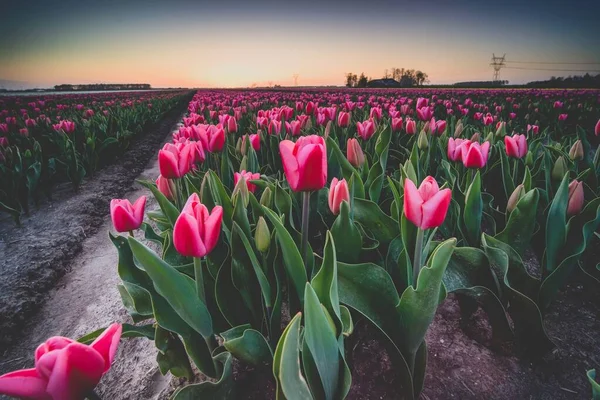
(87, 299)
(35, 256)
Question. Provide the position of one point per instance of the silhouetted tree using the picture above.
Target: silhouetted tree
(362, 81)
(351, 80)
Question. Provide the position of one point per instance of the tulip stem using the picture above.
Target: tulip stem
(418, 255)
(305, 215)
(199, 279)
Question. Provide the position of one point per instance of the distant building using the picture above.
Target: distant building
(383, 83)
(103, 86)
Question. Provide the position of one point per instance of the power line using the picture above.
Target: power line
(553, 63)
(554, 69)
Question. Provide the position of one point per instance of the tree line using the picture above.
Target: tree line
(404, 78)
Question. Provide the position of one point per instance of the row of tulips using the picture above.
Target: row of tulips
(53, 139)
(274, 240)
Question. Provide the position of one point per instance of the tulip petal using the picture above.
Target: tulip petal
(212, 228)
(186, 237)
(311, 174)
(290, 164)
(412, 203)
(106, 344)
(25, 383)
(74, 371)
(435, 209)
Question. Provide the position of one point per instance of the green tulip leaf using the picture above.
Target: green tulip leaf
(248, 345)
(220, 390)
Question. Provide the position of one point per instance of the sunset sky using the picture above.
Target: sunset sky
(238, 43)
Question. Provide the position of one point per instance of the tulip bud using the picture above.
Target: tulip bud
(529, 159)
(426, 127)
(501, 130)
(354, 153)
(576, 152)
(560, 169)
(241, 189)
(265, 198)
(262, 235)
(327, 129)
(515, 197)
(475, 137)
(422, 142)
(238, 147)
(489, 137)
(576, 198)
(244, 163)
(458, 129)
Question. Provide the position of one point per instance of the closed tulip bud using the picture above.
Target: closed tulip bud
(458, 129)
(529, 159)
(166, 187)
(354, 153)
(576, 198)
(304, 163)
(196, 231)
(576, 152)
(338, 192)
(125, 216)
(427, 206)
(560, 168)
(265, 198)
(64, 368)
(248, 176)
(515, 197)
(262, 235)
(422, 142)
(476, 136)
(327, 129)
(239, 148)
(489, 137)
(411, 126)
(427, 127)
(501, 129)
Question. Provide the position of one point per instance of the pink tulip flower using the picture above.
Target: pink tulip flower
(516, 146)
(196, 231)
(427, 206)
(338, 192)
(125, 216)
(304, 163)
(248, 176)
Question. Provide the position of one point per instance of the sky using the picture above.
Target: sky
(236, 43)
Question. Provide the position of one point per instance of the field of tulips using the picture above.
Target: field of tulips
(287, 219)
(52, 139)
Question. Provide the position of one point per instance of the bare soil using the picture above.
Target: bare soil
(34, 256)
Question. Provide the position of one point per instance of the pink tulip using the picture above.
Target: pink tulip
(3, 142)
(174, 161)
(424, 114)
(516, 146)
(310, 107)
(338, 192)
(558, 104)
(512, 115)
(535, 129)
(375, 113)
(254, 141)
(422, 102)
(304, 163)
(597, 128)
(166, 187)
(23, 132)
(366, 129)
(125, 216)
(475, 155)
(576, 198)
(426, 207)
(67, 126)
(411, 126)
(563, 117)
(454, 148)
(293, 128)
(248, 176)
(440, 127)
(4, 128)
(30, 123)
(488, 119)
(231, 125)
(196, 231)
(274, 127)
(88, 114)
(396, 124)
(262, 122)
(343, 119)
(213, 138)
(354, 153)
(64, 368)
